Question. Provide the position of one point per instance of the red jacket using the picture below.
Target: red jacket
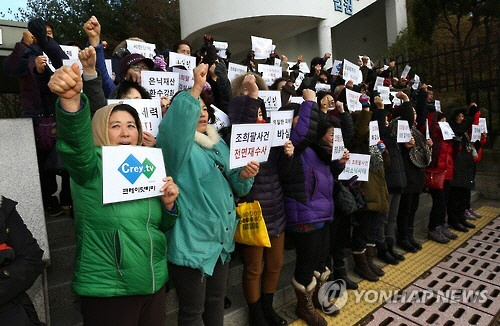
(442, 150)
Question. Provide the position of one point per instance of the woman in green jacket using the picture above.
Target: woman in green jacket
(201, 241)
(120, 269)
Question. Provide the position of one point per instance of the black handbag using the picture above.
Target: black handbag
(349, 198)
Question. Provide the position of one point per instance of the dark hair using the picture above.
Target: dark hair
(125, 86)
(208, 102)
(132, 111)
(179, 43)
(274, 86)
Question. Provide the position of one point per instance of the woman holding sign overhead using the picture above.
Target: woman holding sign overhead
(201, 241)
(120, 270)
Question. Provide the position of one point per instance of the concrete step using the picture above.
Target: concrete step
(60, 230)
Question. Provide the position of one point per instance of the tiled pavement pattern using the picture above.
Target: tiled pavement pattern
(470, 262)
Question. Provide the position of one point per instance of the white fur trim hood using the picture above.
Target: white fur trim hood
(209, 139)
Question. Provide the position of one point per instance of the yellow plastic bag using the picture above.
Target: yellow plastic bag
(251, 228)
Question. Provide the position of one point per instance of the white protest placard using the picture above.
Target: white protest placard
(384, 92)
(351, 72)
(277, 62)
(338, 144)
(446, 130)
(385, 67)
(298, 80)
(221, 48)
(250, 142)
(483, 125)
(358, 164)
(427, 133)
(146, 49)
(416, 81)
(405, 72)
(269, 73)
(262, 47)
(374, 133)
(437, 105)
(234, 70)
(109, 67)
(395, 101)
(221, 118)
(69, 62)
(272, 100)
(378, 82)
(179, 59)
(186, 78)
(71, 51)
(476, 133)
(296, 99)
(149, 111)
(337, 65)
(404, 132)
(323, 87)
(160, 83)
(282, 122)
(353, 103)
(303, 67)
(131, 172)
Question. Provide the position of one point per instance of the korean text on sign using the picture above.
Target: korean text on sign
(143, 48)
(338, 144)
(149, 112)
(160, 83)
(250, 142)
(282, 122)
(272, 99)
(404, 132)
(358, 164)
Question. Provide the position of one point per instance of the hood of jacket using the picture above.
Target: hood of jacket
(100, 123)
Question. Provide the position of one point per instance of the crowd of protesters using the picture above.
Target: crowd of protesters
(297, 187)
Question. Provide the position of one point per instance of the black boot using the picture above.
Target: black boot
(362, 268)
(340, 273)
(390, 249)
(406, 245)
(273, 319)
(256, 314)
(412, 240)
(371, 251)
(227, 303)
(384, 255)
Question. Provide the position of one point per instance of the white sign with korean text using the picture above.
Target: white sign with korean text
(416, 81)
(221, 118)
(384, 92)
(323, 87)
(282, 122)
(437, 105)
(272, 99)
(298, 80)
(149, 112)
(160, 83)
(446, 130)
(262, 47)
(353, 103)
(109, 67)
(351, 72)
(277, 62)
(405, 72)
(269, 73)
(250, 142)
(303, 67)
(71, 51)
(378, 82)
(358, 164)
(476, 133)
(483, 125)
(404, 132)
(146, 49)
(234, 70)
(131, 172)
(186, 78)
(179, 59)
(296, 99)
(338, 144)
(374, 133)
(221, 48)
(69, 62)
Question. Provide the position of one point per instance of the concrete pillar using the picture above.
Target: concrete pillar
(395, 18)
(325, 39)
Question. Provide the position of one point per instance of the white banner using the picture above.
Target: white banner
(374, 133)
(338, 144)
(186, 78)
(160, 83)
(179, 59)
(405, 72)
(269, 73)
(404, 132)
(234, 70)
(353, 103)
(351, 72)
(149, 112)
(446, 130)
(131, 172)
(262, 47)
(282, 122)
(483, 125)
(146, 49)
(250, 142)
(221, 118)
(476, 133)
(358, 164)
(272, 100)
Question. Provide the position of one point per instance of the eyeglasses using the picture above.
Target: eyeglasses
(139, 67)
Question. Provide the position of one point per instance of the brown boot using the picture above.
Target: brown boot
(305, 308)
(371, 252)
(362, 268)
(321, 279)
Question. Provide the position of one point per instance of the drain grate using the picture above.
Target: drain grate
(488, 235)
(384, 317)
(468, 291)
(481, 269)
(480, 249)
(437, 310)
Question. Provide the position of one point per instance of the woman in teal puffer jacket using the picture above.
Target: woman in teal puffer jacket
(120, 269)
